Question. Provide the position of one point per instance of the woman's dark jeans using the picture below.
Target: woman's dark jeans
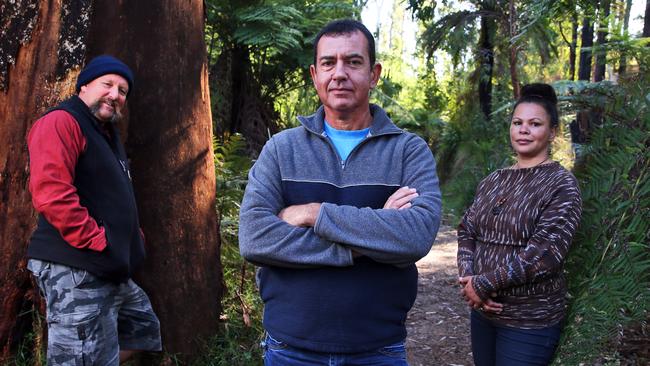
(497, 345)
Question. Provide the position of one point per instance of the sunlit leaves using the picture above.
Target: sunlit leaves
(269, 25)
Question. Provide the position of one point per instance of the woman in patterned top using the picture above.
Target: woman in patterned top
(513, 240)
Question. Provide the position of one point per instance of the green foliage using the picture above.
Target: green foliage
(470, 148)
(265, 26)
(450, 33)
(263, 48)
(237, 342)
(609, 265)
(299, 101)
(232, 167)
(31, 350)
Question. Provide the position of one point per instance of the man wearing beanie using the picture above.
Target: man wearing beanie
(88, 241)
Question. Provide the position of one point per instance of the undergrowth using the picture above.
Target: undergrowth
(609, 266)
(237, 342)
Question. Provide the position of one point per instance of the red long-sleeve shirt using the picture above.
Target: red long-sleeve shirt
(55, 143)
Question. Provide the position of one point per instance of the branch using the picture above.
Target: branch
(562, 34)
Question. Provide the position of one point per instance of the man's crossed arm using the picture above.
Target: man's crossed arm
(317, 234)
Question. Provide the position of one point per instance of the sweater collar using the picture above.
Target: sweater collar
(381, 123)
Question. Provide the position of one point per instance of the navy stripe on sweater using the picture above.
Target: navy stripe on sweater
(366, 195)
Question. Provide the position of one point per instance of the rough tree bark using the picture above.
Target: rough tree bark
(601, 39)
(41, 43)
(170, 146)
(169, 142)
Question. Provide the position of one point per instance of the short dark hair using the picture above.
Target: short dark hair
(542, 95)
(345, 27)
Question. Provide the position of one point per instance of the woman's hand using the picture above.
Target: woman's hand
(471, 297)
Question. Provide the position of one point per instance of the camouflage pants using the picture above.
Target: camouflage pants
(90, 319)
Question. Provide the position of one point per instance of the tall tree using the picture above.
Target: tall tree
(514, 48)
(30, 81)
(486, 64)
(169, 143)
(601, 39)
(624, 32)
(586, 42)
(573, 46)
(580, 126)
(171, 122)
(646, 21)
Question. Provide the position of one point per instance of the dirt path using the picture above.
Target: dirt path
(438, 324)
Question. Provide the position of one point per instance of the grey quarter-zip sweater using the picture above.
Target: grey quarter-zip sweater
(316, 295)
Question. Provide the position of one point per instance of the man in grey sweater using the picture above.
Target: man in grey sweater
(336, 213)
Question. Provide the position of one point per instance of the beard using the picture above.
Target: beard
(94, 109)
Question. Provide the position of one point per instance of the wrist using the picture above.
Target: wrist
(312, 213)
(479, 286)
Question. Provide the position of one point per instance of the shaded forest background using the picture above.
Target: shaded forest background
(454, 88)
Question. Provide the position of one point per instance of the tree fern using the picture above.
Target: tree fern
(269, 26)
(609, 266)
(232, 165)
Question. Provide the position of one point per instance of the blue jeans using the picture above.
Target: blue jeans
(277, 353)
(497, 345)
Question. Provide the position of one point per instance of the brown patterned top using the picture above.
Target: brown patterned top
(514, 238)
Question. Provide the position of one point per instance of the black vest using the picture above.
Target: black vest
(104, 188)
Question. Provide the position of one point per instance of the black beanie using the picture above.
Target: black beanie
(102, 65)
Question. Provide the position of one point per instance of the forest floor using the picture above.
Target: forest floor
(438, 324)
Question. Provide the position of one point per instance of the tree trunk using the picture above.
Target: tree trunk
(626, 25)
(36, 71)
(587, 41)
(573, 46)
(486, 65)
(251, 114)
(221, 93)
(514, 77)
(170, 145)
(646, 21)
(601, 54)
(580, 126)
